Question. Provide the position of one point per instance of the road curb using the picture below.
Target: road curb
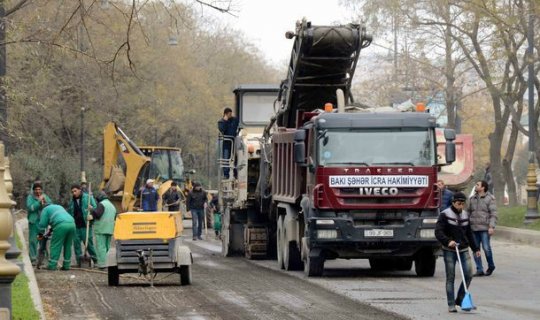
(20, 225)
(525, 236)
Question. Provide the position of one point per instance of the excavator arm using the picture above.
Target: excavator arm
(116, 143)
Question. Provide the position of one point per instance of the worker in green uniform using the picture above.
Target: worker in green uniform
(63, 226)
(80, 205)
(34, 204)
(103, 218)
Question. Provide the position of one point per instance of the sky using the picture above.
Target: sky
(264, 22)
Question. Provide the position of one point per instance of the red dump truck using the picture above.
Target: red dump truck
(320, 182)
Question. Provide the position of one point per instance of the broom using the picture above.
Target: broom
(466, 303)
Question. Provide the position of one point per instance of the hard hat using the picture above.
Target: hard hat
(149, 181)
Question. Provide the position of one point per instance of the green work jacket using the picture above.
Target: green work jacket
(33, 207)
(53, 215)
(105, 223)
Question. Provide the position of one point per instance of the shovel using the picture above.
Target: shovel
(466, 303)
(86, 257)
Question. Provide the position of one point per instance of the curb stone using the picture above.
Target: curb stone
(524, 236)
(21, 225)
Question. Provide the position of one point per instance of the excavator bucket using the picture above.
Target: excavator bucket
(459, 173)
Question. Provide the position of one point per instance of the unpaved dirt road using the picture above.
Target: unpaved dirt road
(223, 288)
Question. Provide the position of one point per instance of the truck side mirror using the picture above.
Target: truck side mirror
(300, 147)
(450, 151)
(449, 134)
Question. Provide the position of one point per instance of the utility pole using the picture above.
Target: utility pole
(83, 173)
(532, 205)
(208, 158)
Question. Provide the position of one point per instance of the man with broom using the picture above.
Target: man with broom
(453, 231)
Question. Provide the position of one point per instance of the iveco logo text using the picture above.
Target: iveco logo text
(378, 191)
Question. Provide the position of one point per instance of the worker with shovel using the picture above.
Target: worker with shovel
(79, 207)
(453, 230)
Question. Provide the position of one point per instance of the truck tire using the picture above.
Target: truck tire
(424, 264)
(403, 264)
(113, 276)
(292, 260)
(381, 264)
(185, 275)
(314, 266)
(279, 242)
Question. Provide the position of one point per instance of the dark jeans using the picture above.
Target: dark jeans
(450, 260)
(226, 156)
(483, 237)
(197, 218)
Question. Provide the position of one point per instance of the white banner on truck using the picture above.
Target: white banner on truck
(378, 181)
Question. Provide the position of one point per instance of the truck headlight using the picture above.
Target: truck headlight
(326, 234)
(429, 221)
(427, 233)
(325, 221)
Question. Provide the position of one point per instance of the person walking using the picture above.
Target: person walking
(79, 207)
(171, 198)
(104, 218)
(483, 211)
(35, 202)
(196, 203)
(453, 229)
(446, 195)
(63, 225)
(149, 196)
(228, 127)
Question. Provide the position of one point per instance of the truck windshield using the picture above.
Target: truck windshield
(376, 147)
(167, 165)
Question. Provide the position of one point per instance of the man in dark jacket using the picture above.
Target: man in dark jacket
(228, 127)
(454, 229)
(196, 203)
(171, 198)
(79, 208)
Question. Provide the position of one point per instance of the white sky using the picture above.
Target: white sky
(265, 22)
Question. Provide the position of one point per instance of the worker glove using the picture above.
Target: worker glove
(40, 236)
(89, 217)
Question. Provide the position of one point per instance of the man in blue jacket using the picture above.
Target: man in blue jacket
(149, 196)
(446, 195)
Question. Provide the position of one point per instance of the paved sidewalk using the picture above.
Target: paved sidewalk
(22, 225)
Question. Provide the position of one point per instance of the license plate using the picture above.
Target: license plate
(378, 233)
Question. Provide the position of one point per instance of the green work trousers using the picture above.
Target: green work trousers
(33, 231)
(80, 238)
(62, 238)
(103, 244)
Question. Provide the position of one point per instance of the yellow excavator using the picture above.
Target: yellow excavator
(146, 243)
(126, 167)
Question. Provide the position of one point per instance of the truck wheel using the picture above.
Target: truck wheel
(291, 254)
(314, 266)
(424, 264)
(114, 277)
(403, 264)
(381, 264)
(279, 242)
(185, 275)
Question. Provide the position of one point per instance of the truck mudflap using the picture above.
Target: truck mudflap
(340, 238)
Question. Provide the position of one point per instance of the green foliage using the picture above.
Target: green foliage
(514, 216)
(21, 301)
